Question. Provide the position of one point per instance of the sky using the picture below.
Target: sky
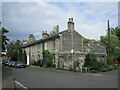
(90, 18)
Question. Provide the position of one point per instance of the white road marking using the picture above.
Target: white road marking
(21, 85)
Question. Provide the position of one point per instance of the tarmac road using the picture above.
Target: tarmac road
(36, 77)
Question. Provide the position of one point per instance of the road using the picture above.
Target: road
(36, 77)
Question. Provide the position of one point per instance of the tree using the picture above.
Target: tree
(4, 38)
(116, 31)
(55, 30)
(85, 41)
(114, 45)
(14, 50)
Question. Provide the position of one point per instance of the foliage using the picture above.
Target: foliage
(116, 31)
(4, 38)
(114, 44)
(55, 30)
(92, 62)
(15, 51)
(13, 47)
(70, 68)
(112, 59)
(49, 58)
(23, 57)
(85, 41)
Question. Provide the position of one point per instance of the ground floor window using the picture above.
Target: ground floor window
(33, 57)
(38, 57)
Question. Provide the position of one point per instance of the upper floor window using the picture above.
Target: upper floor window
(38, 47)
(45, 46)
(53, 44)
(32, 48)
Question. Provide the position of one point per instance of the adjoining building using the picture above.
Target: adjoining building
(66, 46)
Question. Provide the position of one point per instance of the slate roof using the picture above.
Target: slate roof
(41, 40)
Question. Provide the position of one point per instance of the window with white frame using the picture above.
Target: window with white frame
(45, 46)
(53, 58)
(38, 47)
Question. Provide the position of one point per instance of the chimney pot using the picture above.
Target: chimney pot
(70, 24)
(69, 19)
(72, 19)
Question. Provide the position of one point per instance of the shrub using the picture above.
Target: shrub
(49, 58)
(91, 61)
(70, 68)
(111, 59)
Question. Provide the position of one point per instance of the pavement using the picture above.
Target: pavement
(38, 77)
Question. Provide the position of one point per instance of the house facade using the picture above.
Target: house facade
(66, 46)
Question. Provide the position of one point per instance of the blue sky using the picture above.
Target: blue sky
(90, 18)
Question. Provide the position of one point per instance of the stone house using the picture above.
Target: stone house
(66, 46)
(96, 48)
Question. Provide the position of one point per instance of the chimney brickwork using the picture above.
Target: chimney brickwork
(70, 24)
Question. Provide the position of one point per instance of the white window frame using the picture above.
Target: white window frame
(45, 46)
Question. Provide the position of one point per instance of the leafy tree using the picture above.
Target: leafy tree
(85, 41)
(55, 30)
(4, 38)
(114, 44)
(116, 31)
(13, 50)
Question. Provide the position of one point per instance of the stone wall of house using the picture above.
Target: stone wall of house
(70, 39)
(67, 61)
(77, 42)
(66, 41)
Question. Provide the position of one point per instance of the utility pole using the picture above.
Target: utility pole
(108, 39)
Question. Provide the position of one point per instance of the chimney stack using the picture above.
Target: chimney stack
(31, 38)
(70, 24)
(44, 34)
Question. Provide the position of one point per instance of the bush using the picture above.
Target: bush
(70, 68)
(115, 67)
(112, 59)
(49, 58)
(91, 61)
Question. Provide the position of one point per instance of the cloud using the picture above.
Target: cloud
(0, 11)
(90, 18)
